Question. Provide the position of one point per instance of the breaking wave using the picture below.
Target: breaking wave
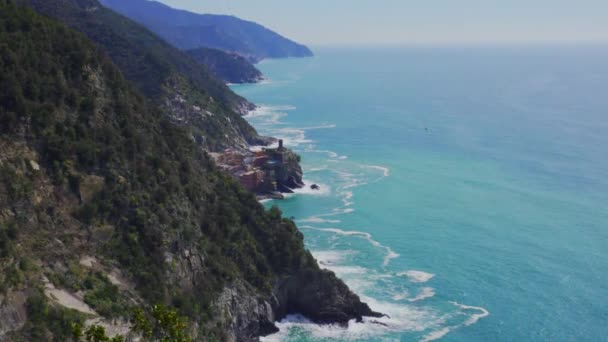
(408, 303)
(417, 276)
(390, 254)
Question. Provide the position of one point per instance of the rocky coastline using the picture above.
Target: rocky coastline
(268, 172)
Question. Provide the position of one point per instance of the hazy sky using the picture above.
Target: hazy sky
(359, 22)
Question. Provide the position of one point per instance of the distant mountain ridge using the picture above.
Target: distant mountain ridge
(187, 92)
(229, 67)
(188, 30)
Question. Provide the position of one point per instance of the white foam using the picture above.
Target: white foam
(385, 170)
(435, 335)
(390, 254)
(331, 154)
(328, 126)
(402, 319)
(425, 292)
(475, 317)
(338, 211)
(315, 219)
(417, 276)
(315, 169)
(324, 189)
(329, 258)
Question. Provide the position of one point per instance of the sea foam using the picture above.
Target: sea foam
(417, 276)
(390, 254)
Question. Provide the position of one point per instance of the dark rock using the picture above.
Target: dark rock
(321, 297)
(315, 187)
(262, 141)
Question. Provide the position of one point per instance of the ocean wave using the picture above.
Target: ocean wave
(269, 114)
(417, 276)
(347, 198)
(435, 335)
(324, 189)
(327, 126)
(315, 169)
(315, 219)
(331, 154)
(390, 254)
(385, 170)
(330, 257)
(402, 319)
(425, 292)
(474, 318)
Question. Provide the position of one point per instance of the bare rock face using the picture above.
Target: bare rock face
(12, 313)
(246, 315)
(321, 297)
(316, 294)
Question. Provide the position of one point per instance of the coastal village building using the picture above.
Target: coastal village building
(264, 172)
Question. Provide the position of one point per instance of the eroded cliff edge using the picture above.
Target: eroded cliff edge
(107, 205)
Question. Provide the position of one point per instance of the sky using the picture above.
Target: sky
(399, 22)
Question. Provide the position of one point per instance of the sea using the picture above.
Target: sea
(463, 189)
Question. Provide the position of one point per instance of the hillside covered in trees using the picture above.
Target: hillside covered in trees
(186, 92)
(229, 67)
(187, 30)
(107, 205)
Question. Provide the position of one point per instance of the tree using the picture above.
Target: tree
(162, 324)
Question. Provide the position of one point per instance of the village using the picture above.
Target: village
(268, 172)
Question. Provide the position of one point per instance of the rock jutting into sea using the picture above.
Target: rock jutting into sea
(268, 172)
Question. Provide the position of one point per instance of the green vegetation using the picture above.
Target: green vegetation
(45, 319)
(164, 202)
(162, 324)
(156, 69)
(229, 67)
(188, 30)
(99, 293)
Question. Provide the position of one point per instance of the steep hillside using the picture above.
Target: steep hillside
(187, 92)
(187, 30)
(106, 205)
(229, 67)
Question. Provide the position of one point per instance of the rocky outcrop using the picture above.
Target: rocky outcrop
(318, 295)
(288, 173)
(12, 312)
(244, 314)
(321, 297)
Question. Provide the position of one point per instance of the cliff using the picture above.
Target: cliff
(187, 30)
(229, 67)
(186, 92)
(267, 172)
(106, 205)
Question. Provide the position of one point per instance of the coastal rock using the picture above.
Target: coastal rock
(12, 312)
(318, 295)
(245, 315)
(262, 140)
(321, 297)
(288, 172)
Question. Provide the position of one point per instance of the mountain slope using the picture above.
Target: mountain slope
(230, 67)
(185, 90)
(106, 205)
(187, 30)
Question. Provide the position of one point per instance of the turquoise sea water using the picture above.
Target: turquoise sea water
(464, 191)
